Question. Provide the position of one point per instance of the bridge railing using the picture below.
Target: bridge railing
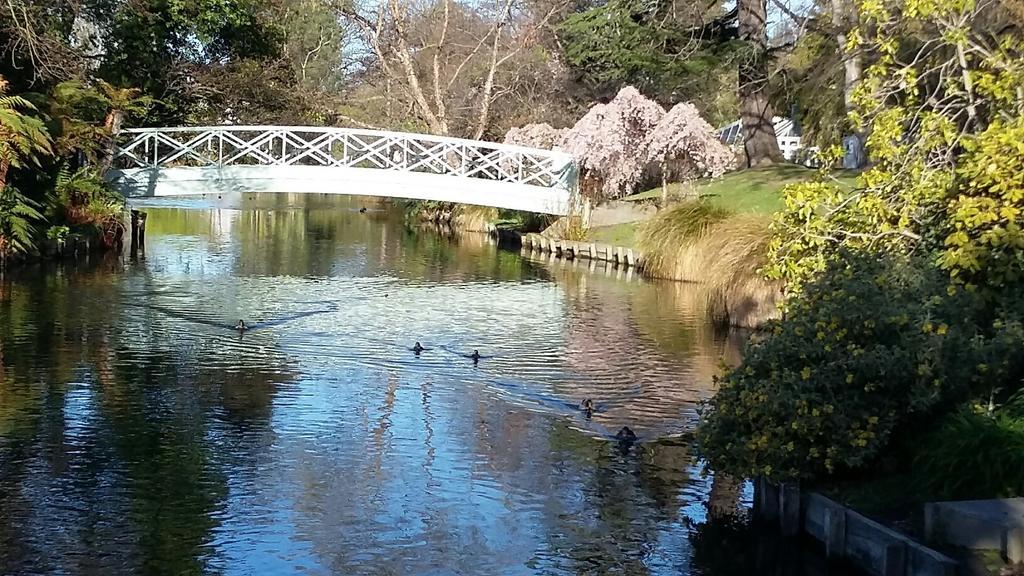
(220, 146)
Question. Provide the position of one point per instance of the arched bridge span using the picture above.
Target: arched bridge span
(154, 162)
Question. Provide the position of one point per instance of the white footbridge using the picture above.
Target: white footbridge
(155, 162)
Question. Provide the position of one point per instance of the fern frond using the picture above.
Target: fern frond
(16, 102)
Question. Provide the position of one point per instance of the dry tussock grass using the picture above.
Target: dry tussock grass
(724, 252)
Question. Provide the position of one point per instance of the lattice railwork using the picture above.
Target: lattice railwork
(154, 148)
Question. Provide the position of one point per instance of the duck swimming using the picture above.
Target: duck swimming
(362, 210)
(241, 327)
(417, 348)
(626, 436)
(588, 407)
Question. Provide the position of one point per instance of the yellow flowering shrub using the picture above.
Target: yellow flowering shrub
(874, 346)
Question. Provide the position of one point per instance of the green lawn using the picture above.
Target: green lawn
(750, 190)
(617, 235)
(757, 190)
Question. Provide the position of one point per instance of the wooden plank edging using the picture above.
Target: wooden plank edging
(876, 548)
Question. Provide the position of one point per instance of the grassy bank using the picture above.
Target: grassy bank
(723, 251)
(617, 235)
(719, 241)
(753, 191)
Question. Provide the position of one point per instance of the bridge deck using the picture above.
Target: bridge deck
(183, 161)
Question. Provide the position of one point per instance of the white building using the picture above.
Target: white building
(785, 131)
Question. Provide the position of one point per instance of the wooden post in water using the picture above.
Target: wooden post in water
(789, 508)
(766, 501)
(835, 532)
(138, 232)
(895, 559)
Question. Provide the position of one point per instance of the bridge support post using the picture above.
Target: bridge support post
(138, 233)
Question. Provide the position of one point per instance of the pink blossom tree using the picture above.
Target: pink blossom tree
(608, 143)
(616, 143)
(535, 136)
(686, 147)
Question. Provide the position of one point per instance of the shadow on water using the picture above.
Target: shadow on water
(133, 442)
(733, 545)
(251, 325)
(106, 459)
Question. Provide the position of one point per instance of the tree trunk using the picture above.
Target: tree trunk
(402, 51)
(442, 113)
(485, 102)
(759, 140)
(852, 72)
(488, 92)
(664, 184)
(112, 124)
(724, 498)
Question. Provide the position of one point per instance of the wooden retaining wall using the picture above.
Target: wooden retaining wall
(606, 269)
(878, 550)
(571, 249)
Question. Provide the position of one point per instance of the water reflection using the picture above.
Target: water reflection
(140, 433)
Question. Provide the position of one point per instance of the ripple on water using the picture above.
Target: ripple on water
(141, 433)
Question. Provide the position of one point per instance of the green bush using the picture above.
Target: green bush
(875, 346)
(58, 233)
(973, 455)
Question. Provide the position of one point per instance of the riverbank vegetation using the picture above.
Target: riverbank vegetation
(899, 352)
(55, 147)
(759, 190)
(724, 252)
(470, 218)
(753, 190)
(459, 69)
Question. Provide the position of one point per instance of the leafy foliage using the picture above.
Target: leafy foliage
(23, 137)
(18, 215)
(82, 120)
(985, 240)
(870, 348)
(660, 47)
(158, 46)
(131, 102)
(904, 299)
(75, 110)
(84, 198)
(991, 447)
(811, 76)
(934, 63)
(58, 233)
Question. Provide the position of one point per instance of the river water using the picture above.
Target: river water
(141, 434)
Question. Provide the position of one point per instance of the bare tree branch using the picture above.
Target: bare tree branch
(438, 98)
